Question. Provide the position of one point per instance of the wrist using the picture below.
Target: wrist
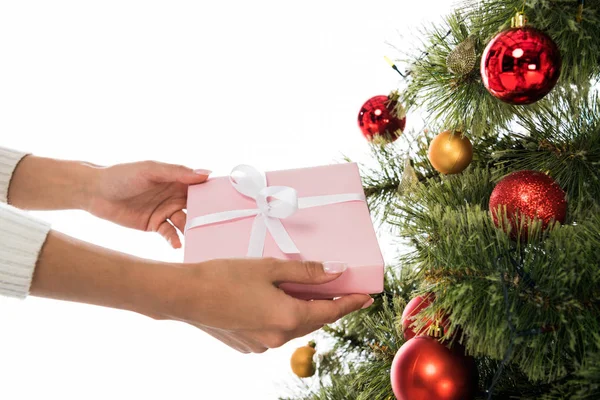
(87, 178)
(170, 291)
(81, 179)
(152, 288)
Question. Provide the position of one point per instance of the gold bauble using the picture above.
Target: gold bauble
(450, 153)
(302, 361)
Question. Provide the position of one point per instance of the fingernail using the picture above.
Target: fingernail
(203, 171)
(334, 267)
(368, 303)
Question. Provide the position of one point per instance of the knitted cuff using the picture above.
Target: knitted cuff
(9, 159)
(21, 239)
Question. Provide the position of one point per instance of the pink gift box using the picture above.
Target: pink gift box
(335, 232)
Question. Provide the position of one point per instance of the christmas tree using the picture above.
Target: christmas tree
(498, 203)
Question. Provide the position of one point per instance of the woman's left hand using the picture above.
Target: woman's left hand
(148, 196)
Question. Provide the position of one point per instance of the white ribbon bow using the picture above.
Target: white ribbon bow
(273, 203)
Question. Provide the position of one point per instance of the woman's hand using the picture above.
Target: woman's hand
(148, 196)
(239, 302)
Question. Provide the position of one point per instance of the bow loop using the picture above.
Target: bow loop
(247, 180)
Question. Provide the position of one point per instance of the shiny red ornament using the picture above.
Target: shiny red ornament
(377, 119)
(424, 369)
(520, 65)
(528, 194)
(414, 307)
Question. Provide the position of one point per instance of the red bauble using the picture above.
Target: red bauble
(377, 119)
(414, 307)
(424, 369)
(520, 65)
(528, 194)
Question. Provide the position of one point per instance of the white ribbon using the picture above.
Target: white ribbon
(273, 204)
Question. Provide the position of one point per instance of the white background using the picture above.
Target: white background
(275, 84)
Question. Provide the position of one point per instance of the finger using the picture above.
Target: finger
(167, 231)
(222, 337)
(273, 339)
(165, 211)
(327, 312)
(306, 272)
(242, 344)
(178, 220)
(162, 172)
(255, 346)
(305, 330)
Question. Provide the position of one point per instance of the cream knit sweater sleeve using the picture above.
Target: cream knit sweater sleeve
(21, 235)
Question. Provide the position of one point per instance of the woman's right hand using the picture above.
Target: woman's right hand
(238, 301)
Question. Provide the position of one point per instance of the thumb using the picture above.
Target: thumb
(307, 272)
(179, 173)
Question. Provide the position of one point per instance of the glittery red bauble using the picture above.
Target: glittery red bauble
(520, 65)
(424, 369)
(377, 119)
(409, 315)
(528, 194)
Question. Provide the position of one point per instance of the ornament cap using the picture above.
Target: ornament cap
(394, 95)
(436, 330)
(519, 20)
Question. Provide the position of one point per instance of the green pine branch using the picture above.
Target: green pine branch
(550, 278)
(460, 102)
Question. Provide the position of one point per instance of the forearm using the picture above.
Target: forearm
(40, 183)
(72, 270)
